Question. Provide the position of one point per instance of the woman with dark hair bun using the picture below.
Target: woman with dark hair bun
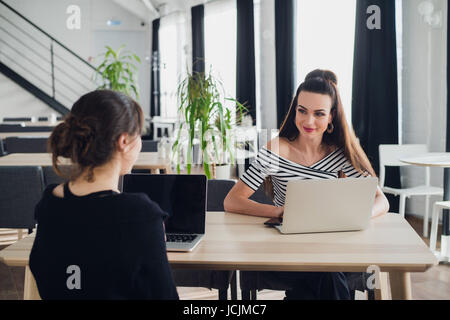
(314, 142)
(93, 242)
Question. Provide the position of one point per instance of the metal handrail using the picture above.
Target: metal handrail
(45, 33)
(54, 66)
(56, 61)
(25, 57)
(23, 31)
(42, 81)
(24, 44)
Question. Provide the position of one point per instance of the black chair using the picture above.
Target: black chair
(50, 176)
(4, 127)
(212, 279)
(26, 145)
(252, 281)
(20, 190)
(149, 146)
(2, 149)
(16, 119)
(34, 129)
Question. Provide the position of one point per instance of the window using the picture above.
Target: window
(325, 40)
(172, 61)
(220, 44)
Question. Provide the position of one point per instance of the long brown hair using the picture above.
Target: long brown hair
(89, 133)
(325, 82)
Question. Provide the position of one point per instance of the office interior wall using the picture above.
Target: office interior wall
(17, 102)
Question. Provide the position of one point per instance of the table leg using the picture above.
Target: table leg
(400, 285)
(30, 290)
(383, 292)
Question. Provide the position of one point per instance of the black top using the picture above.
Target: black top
(103, 245)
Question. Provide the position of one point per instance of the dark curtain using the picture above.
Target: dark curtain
(285, 63)
(155, 81)
(446, 218)
(245, 57)
(375, 98)
(198, 39)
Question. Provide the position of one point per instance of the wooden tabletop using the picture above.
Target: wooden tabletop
(431, 159)
(240, 242)
(34, 123)
(146, 160)
(4, 135)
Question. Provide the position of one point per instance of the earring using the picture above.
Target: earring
(330, 127)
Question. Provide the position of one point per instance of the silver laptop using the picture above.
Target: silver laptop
(328, 205)
(183, 197)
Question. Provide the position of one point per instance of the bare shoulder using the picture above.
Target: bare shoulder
(279, 145)
(59, 191)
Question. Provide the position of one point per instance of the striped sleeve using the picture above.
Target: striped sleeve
(351, 172)
(258, 170)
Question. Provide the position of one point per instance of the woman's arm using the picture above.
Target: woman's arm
(381, 204)
(238, 201)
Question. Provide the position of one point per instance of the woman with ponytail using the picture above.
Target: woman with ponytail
(92, 241)
(314, 142)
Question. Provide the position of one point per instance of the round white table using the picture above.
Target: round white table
(442, 160)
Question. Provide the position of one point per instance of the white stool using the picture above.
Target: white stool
(434, 221)
(163, 123)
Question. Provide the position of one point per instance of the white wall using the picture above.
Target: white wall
(17, 102)
(51, 16)
(424, 93)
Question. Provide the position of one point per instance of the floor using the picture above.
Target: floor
(431, 285)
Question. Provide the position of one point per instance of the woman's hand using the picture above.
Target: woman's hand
(278, 212)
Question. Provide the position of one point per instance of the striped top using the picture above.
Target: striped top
(282, 170)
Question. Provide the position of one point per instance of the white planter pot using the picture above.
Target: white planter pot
(223, 171)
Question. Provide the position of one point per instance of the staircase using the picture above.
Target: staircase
(40, 64)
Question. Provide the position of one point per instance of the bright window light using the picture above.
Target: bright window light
(325, 36)
(220, 43)
(172, 41)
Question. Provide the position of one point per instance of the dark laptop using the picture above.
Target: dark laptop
(183, 197)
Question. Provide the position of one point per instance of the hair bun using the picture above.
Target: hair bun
(323, 74)
(81, 129)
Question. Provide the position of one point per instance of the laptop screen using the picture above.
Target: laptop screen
(183, 197)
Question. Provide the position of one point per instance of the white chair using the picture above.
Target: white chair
(438, 206)
(163, 123)
(389, 156)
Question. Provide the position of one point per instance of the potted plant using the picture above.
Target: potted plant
(118, 71)
(205, 118)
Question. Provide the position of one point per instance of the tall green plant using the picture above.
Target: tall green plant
(119, 72)
(205, 118)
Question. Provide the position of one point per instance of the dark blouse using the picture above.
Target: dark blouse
(103, 245)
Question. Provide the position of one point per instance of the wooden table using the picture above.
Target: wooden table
(146, 160)
(441, 160)
(240, 242)
(34, 123)
(4, 135)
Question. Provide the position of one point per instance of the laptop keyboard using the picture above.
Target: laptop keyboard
(186, 238)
